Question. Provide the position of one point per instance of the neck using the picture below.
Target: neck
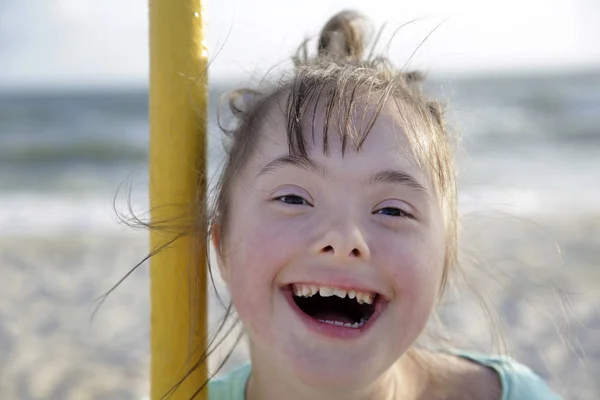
(399, 382)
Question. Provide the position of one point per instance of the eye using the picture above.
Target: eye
(394, 212)
(292, 199)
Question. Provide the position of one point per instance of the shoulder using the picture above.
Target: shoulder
(517, 381)
(231, 386)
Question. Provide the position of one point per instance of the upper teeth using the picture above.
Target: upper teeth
(303, 290)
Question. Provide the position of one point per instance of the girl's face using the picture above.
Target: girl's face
(366, 227)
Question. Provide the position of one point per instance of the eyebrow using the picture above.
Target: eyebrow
(305, 163)
(391, 176)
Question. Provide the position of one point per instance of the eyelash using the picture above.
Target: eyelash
(401, 213)
(398, 213)
(294, 196)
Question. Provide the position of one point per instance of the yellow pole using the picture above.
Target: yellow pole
(178, 96)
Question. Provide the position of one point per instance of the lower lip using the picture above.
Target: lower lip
(334, 331)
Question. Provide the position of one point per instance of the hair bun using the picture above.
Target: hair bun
(242, 100)
(345, 36)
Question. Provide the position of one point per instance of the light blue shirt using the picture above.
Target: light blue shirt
(518, 381)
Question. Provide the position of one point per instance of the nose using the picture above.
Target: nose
(345, 242)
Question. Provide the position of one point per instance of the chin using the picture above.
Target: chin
(330, 370)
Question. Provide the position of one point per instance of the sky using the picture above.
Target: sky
(104, 42)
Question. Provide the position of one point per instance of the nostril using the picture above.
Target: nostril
(328, 249)
(355, 252)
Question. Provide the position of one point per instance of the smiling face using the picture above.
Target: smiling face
(367, 222)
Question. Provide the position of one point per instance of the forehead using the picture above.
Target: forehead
(372, 133)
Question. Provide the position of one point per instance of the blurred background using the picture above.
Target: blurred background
(522, 80)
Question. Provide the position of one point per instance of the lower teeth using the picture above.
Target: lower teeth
(355, 325)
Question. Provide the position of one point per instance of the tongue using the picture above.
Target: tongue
(330, 316)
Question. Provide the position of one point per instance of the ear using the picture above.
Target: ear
(217, 244)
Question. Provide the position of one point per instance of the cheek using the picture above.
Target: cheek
(258, 250)
(415, 267)
(263, 248)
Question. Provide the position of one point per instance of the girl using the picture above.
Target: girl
(335, 228)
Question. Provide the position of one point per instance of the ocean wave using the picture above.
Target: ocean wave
(91, 151)
(106, 128)
(34, 214)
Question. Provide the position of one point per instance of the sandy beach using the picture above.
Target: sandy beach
(546, 297)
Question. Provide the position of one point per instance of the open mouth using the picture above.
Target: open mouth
(348, 308)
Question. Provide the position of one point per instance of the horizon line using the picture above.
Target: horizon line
(222, 80)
